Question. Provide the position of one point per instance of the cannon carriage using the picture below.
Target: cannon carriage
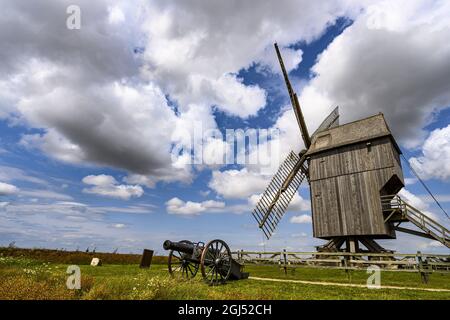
(213, 259)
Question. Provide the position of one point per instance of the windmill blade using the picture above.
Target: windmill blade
(275, 200)
(330, 122)
(294, 102)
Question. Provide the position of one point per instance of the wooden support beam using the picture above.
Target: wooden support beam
(414, 232)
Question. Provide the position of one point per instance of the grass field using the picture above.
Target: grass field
(24, 278)
(74, 257)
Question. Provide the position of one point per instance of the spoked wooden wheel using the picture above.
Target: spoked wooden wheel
(179, 265)
(216, 262)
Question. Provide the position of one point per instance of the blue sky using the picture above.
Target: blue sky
(87, 124)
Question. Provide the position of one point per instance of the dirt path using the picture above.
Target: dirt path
(320, 283)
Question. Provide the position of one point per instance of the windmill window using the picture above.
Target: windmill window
(369, 146)
(323, 141)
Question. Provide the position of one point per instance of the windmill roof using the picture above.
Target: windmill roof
(350, 133)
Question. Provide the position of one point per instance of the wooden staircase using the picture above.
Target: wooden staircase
(397, 211)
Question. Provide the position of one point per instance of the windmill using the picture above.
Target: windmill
(354, 174)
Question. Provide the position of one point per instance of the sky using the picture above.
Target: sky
(98, 123)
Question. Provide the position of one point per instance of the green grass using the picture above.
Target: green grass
(23, 278)
(74, 257)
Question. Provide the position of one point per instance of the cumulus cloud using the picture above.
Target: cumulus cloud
(195, 50)
(297, 203)
(304, 218)
(99, 94)
(417, 203)
(116, 15)
(291, 59)
(434, 162)
(108, 186)
(189, 208)
(7, 189)
(97, 99)
(82, 88)
(121, 137)
(237, 184)
(383, 62)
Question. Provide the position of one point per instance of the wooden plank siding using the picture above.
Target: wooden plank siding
(345, 188)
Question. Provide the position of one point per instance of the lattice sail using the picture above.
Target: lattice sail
(274, 202)
(331, 121)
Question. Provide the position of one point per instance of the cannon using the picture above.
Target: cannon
(214, 259)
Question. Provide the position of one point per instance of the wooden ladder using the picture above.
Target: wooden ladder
(431, 228)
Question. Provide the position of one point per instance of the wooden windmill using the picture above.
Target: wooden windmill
(354, 173)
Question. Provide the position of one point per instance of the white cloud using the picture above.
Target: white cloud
(435, 244)
(435, 159)
(46, 194)
(116, 15)
(237, 184)
(140, 209)
(105, 103)
(440, 197)
(100, 180)
(205, 193)
(118, 136)
(383, 62)
(297, 203)
(7, 189)
(189, 208)
(228, 93)
(291, 59)
(417, 203)
(410, 181)
(214, 151)
(108, 186)
(119, 226)
(195, 56)
(3, 205)
(299, 235)
(8, 173)
(91, 103)
(68, 224)
(304, 218)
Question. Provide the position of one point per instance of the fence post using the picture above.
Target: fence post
(285, 261)
(423, 268)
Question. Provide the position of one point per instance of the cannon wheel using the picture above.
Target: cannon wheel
(177, 263)
(215, 262)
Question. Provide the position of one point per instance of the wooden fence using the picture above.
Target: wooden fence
(416, 262)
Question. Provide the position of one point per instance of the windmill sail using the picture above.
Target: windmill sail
(330, 122)
(294, 102)
(275, 200)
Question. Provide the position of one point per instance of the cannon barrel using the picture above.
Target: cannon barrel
(184, 247)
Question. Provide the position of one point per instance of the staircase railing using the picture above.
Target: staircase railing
(393, 203)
